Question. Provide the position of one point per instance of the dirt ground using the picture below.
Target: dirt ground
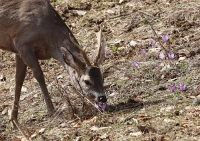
(139, 76)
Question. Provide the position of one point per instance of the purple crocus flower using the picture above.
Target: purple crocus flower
(182, 87)
(108, 53)
(161, 55)
(103, 106)
(172, 88)
(143, 53)
(153, 42)
(165, 38)
(171, 55)
(135, 64)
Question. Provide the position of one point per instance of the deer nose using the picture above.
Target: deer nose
(102, 99)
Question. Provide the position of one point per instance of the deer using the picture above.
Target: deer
(33, 30)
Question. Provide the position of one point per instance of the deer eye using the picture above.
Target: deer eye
(87, 82)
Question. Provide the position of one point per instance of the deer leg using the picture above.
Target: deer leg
(29, 58)
(19, 79)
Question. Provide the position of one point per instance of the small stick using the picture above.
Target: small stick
(68, 101)
(142, 15)
(20, 129)
(87, 99)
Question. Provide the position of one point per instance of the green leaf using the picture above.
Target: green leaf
(114, 48)
(144, 22)
(170, 39)
(120, 82)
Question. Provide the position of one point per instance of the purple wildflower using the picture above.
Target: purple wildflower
(161, 55)
(182, 87)
(172, 88)
(171, 55)
(103, 106)
(153, 42)
(165, 38)
(135, 64)
(108, 53)
(143, 53)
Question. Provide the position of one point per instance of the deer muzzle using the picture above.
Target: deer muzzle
(102, 99)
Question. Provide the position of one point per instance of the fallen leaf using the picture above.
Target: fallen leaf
(91, 121)
(121, 119)
(134, 96)
(24, 96)
(135, 120)
(109, 11)
(41, 130)
(128, 76)
(185, 125)
(24, 89)
(113, 94)
(38, 132)
(135, 134)
(4, 90)
(60, 77)
(4, 111)
(144, 118)
(167, 109)
(154, 50)
(168, 120)
(166, 67)
(188, 107)
(78, 138)
(78, 124)
(95, 128)
(104, 136)
(163, 139)
(133, 43)
(129, 56)
(131, 4)
(120, 1)
(15, 138)
(181, 58)
(64, 125)
(80, 12)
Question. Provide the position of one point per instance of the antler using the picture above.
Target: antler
(101, 49)
(87, 61)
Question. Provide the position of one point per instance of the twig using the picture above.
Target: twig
(86, 99)
(20, 129)
(122, 15)
(54, 116)
(69, 103)
(142, 15)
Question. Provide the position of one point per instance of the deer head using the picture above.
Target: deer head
(84, 75)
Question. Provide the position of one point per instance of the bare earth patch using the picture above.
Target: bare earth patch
(141, 105)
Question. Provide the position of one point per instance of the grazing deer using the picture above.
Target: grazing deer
(33, 30)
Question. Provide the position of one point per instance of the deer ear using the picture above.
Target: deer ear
(72, 60)
(101, 49)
